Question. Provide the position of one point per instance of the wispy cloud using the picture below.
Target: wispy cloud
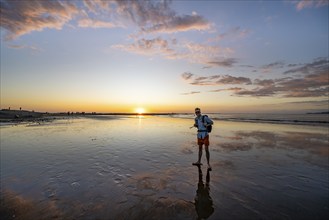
(224, 62)
(190, 93)
(234, 89)
(318, 65)
(300, 5)
(93, 23)
(257, 92)
(150, 47)
(215, 79)
(269, 67)
(187, 75)
(20, 47)
(180, 24)
(172, 49)
(234, 33)
(322, 103)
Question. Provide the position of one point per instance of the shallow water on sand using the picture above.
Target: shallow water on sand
(110, 167)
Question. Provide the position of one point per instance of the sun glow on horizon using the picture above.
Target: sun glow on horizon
(140, 110)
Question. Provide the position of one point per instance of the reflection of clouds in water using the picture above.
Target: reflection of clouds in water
(244, 141)
(259, 138)
(159, 208)
(314, 145)
(168, 180)
(188, 147)
(187, 150)
(17, 207)
(14, 206)
(157, 195)
(225, 164)
(235, 146)
(148, 182)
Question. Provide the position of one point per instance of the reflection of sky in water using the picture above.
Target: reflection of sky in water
(140, 167)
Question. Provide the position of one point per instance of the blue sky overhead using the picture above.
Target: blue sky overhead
(165, 56)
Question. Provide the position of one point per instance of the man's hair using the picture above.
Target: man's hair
(197, 109)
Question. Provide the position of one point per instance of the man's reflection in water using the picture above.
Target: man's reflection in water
(203, 202)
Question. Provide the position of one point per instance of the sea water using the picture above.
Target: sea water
(114, 167)
(294, 119)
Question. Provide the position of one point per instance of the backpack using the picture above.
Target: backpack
(209, 127)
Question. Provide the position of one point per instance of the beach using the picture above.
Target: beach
(140, 167)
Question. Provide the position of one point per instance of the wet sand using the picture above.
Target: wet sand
(111, 167)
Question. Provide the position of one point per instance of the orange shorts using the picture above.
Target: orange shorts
(204, 140)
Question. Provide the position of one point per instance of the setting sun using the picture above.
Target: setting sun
(140, 110)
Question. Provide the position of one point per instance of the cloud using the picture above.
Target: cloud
(319, 64)
(226, 62)
(234, 89)
(269, 67)
(312, 85)
(265, 82)
(190, 93)
(172, 49)
(257, 92)
(233, 33)
(88, 22)
(322, 103)
(20, 47)
(149, 47)
(159, 17)
(23, 17)
(227, 79)
(300, 5)
(215, 79)
(187, 75)
(209, 55)
(180, 24)
(95, 6)
(312, 81)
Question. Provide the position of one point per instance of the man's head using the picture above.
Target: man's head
(197, 111)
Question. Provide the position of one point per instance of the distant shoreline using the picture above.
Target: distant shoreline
(318, 113)
(7, 115)
(21, 116)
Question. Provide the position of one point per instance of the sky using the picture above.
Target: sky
(165, 56)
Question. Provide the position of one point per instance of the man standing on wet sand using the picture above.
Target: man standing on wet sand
(202, 122)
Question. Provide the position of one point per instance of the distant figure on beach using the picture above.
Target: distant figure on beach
(203, 201)
(202, 122)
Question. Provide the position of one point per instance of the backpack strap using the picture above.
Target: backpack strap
(203, 116)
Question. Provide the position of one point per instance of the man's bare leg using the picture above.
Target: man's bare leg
(199, 157)
(208, 156)
(200, 153)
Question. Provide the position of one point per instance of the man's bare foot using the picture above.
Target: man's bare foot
(197, 163)
(209, 167)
